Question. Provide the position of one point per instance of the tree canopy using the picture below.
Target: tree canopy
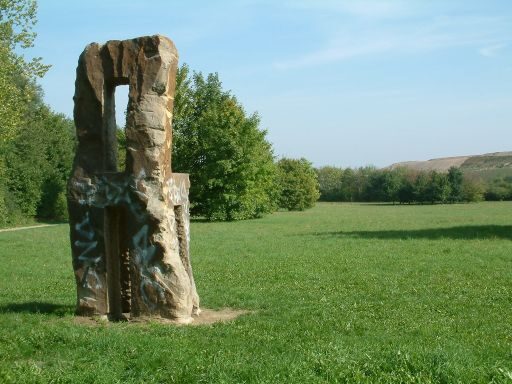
(403, 185)
(298, 184)
(17, 20)
(229, 160)
(35, 143)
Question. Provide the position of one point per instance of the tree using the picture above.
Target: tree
(374, 188)
(298, 184)
(421, 185)
(406, 191)
(121, 148)
(229, 160)
(330, 181)
(38, 163)
(472, 190)
(17, 76)
(348, 185)
(393, 181)
(438, 190)
(361, 182)
(455, 178)
(499, 189)
(17, 19)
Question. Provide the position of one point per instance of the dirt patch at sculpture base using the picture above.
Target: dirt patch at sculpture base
(206, 317)
(210, 316)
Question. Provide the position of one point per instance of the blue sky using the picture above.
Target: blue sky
(345, 83)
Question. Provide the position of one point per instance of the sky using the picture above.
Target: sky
(343, 83)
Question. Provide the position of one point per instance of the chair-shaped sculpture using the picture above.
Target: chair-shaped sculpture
(129, 228)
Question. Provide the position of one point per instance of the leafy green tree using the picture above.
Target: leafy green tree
(392, 183)
(374, 188)
(499, 189)
(4, 211)
(298, 184)
(38, 163)
(383, 185)
(348, 185)
(361, 182)
(421, 185)
(59, 153)
(455, 178)
(330, 182)
(472, 190)
(17, 75)
(406, 191)
(438, 189)
(121, 149)
(17, 20)
(25, 175)
(14, 101)
(230, 162)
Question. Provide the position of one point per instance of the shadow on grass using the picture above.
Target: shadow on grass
(37, 307)
(468, 232)
(387, 204)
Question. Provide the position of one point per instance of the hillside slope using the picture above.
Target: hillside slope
(487, 166)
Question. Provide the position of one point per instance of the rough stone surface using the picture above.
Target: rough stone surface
(129, 228)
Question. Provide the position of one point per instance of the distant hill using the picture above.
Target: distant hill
(487, 166)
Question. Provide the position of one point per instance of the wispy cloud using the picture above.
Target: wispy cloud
(403, 35)
(372, 9)
(337, 51)
(491, 50)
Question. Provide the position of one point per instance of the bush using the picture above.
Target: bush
(10, 213)
(298, 184)
(3, 207)
(472, 191)
(499, 189)
(38, 162)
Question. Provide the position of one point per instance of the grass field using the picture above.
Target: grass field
(348, 293)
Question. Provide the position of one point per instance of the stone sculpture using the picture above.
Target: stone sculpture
(129, 228)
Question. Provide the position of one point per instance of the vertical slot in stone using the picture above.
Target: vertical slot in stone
(113, 263)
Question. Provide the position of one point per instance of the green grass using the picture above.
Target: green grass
(348, 293)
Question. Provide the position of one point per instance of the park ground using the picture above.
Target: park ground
(350, 293)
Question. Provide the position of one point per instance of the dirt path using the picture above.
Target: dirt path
(30, 227)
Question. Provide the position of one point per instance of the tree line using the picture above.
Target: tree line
(499, 189)
(36, 144)
(234, 172)
(399, 185)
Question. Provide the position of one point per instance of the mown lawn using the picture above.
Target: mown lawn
(348, 293)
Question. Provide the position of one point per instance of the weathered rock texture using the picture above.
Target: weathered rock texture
(129, 228)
